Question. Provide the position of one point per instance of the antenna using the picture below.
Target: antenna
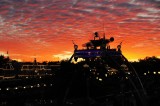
(73, 42)
(75, 46)
(120, 43)
(119, 47)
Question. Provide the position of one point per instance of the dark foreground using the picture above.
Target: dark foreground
(79, 88)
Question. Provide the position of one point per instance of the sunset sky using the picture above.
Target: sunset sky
(45, 28)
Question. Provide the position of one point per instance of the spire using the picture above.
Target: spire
(7, 54)
(35, 61)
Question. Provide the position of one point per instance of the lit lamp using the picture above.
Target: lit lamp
(119, 48)
(75, 47)
(86, 66)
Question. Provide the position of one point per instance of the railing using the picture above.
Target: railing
(35, 68)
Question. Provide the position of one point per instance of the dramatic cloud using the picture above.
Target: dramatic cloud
(46, 28)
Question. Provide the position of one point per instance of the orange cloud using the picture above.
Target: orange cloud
(47, 28)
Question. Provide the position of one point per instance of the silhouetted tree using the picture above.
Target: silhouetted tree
(44, 62)
(147, 64)
(3, 60)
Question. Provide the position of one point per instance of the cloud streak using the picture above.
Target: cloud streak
(47, 27)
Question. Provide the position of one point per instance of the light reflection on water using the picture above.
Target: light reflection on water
(29, 102)
(27, 91)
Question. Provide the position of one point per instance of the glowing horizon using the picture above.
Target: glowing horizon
(44, 29)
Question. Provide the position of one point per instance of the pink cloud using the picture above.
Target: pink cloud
(50, 24)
